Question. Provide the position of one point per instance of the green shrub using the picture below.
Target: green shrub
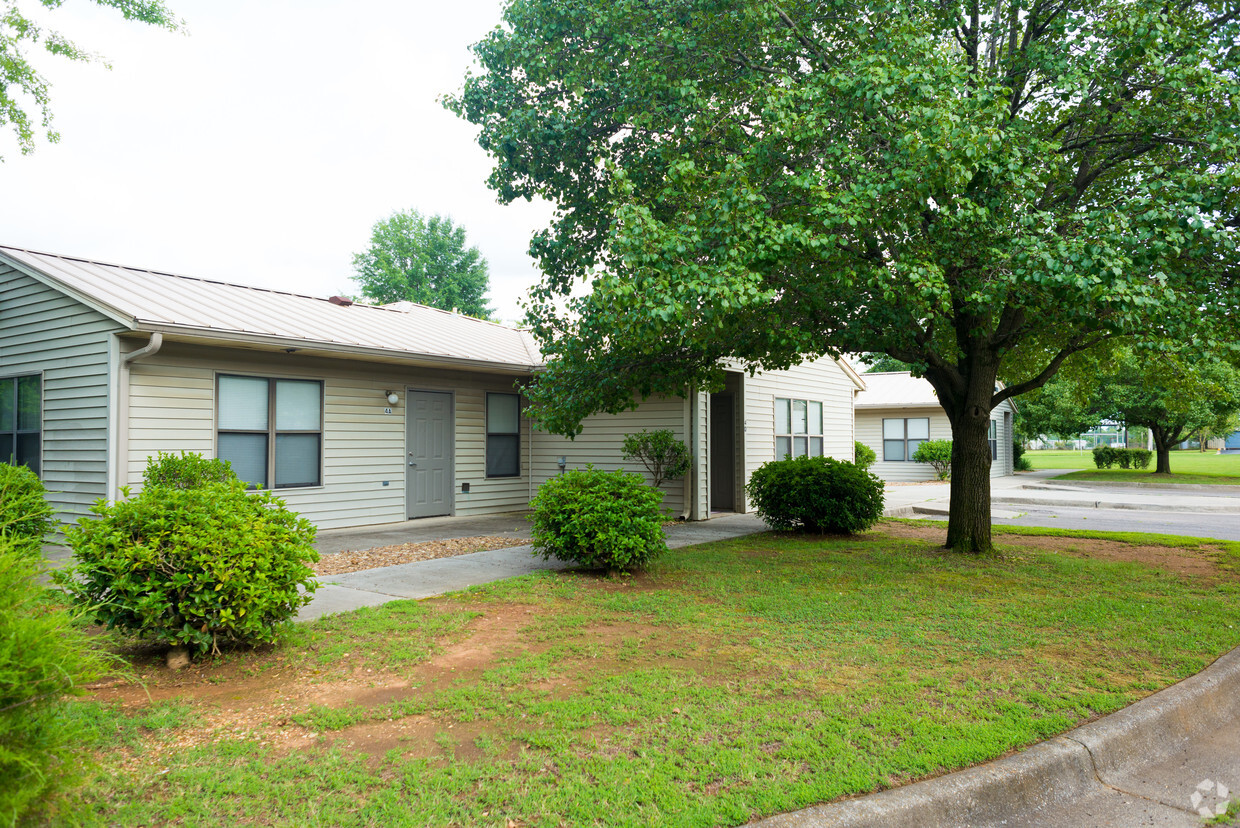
(25, 516)
(1104, 457)
(1022, 464)
(600, 520)
(44, 658)
(1141, 458)
(185, 471)
(665, 457)
(1124, 457)
(195, 567)
(816, 494)
(938, 453)
(863, 455)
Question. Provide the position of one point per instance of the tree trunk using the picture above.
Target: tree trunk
(968, 409)
(1162, 447)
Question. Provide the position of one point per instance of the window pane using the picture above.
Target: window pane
(503, 455)
(7, 408)
(798, 417)
(815, 418)
(248, 455)
(994, 450)
(243, 403)
(297, 460)
(992, 429)
(28, 452)
(6, 448)
(783, 417)
(783, 447)
(893, 429)
(503, 414)
(912, 447)
(298, 404)
(893, 449)
(919, 429)
(815, 447)
(29, 396)
(799, 446)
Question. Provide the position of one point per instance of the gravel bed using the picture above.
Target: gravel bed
(359, 559)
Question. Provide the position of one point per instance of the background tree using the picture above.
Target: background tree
(23, 89)
(974, 189)
(424, 260)
(1173, 397)
(875, 363)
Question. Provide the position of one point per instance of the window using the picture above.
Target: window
(503, 435)
(902, 437)
(994, 440)
(271, 430)
(21, 422)
(798, 428)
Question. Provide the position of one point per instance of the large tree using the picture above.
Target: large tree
(25, 96)
(424, 260)
(975, 189)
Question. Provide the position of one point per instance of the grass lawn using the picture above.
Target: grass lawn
(734, 680)
(1186, 467)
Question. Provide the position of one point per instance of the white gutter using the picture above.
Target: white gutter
(118, 387)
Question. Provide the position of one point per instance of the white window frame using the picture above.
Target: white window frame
(904, 440)
(813, 442)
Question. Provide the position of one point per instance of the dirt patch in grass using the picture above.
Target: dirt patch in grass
(359, 559)
(1196, 562)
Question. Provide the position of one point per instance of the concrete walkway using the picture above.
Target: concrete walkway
(424, 579)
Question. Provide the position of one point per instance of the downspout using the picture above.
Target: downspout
(529, 451)
(116, 476)
(688, 484)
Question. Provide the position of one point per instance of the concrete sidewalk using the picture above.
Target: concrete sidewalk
(425, 579)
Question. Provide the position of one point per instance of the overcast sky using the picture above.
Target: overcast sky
(261, 146)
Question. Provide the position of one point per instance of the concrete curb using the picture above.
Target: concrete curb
(1050, 774)
(1223, 489)
(1104, 504)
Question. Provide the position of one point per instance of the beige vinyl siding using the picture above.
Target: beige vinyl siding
(601, 443)
(870, 432)
(43, 331)
(172, 408)
(821, 380)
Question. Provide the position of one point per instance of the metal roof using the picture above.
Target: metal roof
(896, 389)
(148, 300)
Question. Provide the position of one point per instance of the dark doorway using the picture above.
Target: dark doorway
(722, 453)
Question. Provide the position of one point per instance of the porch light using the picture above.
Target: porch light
(392, 397)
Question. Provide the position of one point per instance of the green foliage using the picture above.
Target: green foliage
(186, 471)
(665, 457)
(1126, 458)
(816, 494)
(200, 566)
(983, 195)
(863, 455)
(44, 658)
(938, 453)
(1019, 461)
(22, 79)
(425, 260)
(600, 520)
(25, 516)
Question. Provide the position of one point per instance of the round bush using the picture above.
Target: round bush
(44, 658)
(599, 520)
(185, 471)
(197, 567)
(863, 455)
(25, 516)
(816, 494)
(938, 453)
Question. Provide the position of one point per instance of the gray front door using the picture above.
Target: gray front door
(428, 440)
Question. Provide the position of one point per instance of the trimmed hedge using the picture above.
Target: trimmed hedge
(816, 494)
(863, 455)
(938, 453)
(1126, 458)
(199, 566)
(599, 520)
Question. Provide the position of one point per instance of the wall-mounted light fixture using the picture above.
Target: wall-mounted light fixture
(392, 397)
(562, 462)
